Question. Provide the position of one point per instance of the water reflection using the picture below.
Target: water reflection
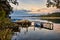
(35, 33)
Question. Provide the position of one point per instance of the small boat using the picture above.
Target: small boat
(38, 24)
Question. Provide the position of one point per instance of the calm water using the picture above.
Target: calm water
(35, 33)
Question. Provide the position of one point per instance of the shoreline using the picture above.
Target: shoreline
(50, 17)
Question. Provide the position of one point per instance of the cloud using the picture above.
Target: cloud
(30, 4)
(36, 6)
(45, 10)
(33, 1)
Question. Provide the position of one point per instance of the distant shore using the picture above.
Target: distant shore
(49, 17)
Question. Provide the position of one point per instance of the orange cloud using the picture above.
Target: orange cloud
(34, 8)
(45, 10)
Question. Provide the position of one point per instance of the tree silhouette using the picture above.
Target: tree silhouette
(54, 3)
(6, 7)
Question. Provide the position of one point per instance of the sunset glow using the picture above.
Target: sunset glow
(34, 6)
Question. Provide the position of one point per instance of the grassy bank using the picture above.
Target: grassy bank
(49, 18)
(54, 17)
(57, 14)
(53, 20)
(5, 23)
(5, 34)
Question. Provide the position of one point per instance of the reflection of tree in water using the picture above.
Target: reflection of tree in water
(23, 28)
(26, 30)
(24, 23)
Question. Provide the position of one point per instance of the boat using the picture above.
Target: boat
(38, 24)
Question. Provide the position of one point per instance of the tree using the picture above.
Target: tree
(5, 9)
(54, 3)
(5, 6)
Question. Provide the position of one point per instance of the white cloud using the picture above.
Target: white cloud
(33, 7)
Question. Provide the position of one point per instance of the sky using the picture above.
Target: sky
(31, 4)
(36, 6)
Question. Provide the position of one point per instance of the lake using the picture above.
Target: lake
(34, 33)
(37, 33)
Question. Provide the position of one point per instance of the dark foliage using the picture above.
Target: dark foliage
(57, 14)
(54, 3)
